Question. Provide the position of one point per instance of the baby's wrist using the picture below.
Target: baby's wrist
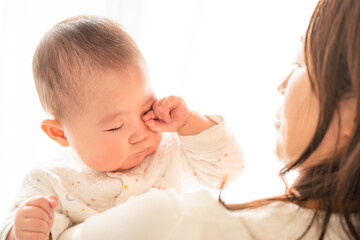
(188, 118)
(196, 124)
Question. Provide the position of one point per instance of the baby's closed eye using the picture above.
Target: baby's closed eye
(114, 129)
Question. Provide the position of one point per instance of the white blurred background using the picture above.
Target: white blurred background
(224, 57)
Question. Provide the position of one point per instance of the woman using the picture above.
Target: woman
(318, 135)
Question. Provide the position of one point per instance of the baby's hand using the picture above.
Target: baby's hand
(34, 218)
(169, 114)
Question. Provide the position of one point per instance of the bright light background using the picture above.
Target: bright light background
(224, 57)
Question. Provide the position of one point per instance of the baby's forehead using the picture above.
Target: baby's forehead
(111, 74)
(130, 80)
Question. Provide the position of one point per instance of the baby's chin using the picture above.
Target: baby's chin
(134, 161)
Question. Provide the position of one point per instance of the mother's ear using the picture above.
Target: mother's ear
(55, 131)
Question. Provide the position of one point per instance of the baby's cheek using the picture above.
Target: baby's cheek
(155, 141)
(105, 162)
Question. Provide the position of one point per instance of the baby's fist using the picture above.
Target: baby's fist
(168, 114)
(34, 218)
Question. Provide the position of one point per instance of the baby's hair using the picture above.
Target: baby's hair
(72, 53)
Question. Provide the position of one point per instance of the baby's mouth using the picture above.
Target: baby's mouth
(140, 152)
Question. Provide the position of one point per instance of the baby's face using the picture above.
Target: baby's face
(110, 134)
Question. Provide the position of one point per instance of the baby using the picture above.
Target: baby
(93, 81)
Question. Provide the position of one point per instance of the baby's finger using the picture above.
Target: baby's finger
(34, 224)
(42, 203)
(165, 115)
(154, 125)
(53, 201)
(170, 102)
(149, 116)
(156, 110)
(162, 112)
(34, 235)
(35, 212)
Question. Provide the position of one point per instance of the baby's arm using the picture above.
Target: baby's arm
(210, 148)
(170, 114)
(34, 219)
(212, 156)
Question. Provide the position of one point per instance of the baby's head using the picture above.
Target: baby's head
(93, 81)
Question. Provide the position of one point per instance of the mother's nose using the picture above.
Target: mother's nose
(281, 88)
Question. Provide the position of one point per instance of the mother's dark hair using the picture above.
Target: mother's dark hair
(332, 52)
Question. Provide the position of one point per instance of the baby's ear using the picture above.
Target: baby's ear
(55, 131)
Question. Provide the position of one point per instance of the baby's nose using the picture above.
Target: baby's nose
(140, 133)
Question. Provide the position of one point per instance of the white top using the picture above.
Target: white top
(166, 215)
(179, 162)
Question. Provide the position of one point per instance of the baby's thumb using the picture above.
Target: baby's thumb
(53, 201)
